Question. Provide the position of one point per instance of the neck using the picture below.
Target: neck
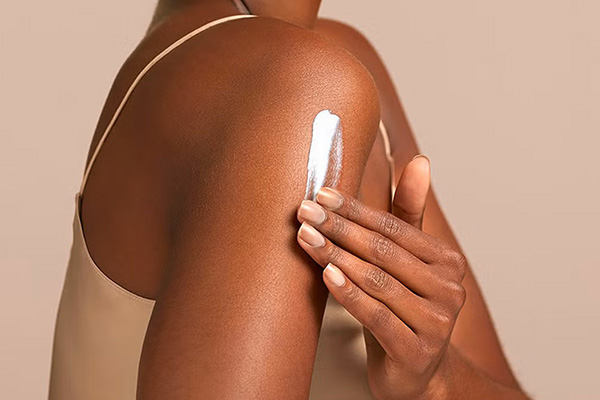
(299, 12)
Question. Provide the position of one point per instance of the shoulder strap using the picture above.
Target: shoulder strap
(389, 156)
(137, 80)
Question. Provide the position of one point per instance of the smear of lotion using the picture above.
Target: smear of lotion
(325, 155)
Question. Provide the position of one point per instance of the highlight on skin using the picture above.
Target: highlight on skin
(325, 154)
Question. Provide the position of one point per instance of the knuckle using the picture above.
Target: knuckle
(451, 296)
(457, 261)
(389, 225)
(458, 295)
(377, 280)
(352, 294)
(333, 253)
(444, 321)
(337, 226)
(442, 325)
(352, 208)
(381, 248)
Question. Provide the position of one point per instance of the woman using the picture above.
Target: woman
(186, 278)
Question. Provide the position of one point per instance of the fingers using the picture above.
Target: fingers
(403, 285)
(424, 246)
(374, 281)
(398, 341)
(366, 245)
(411, 191)
(391, 333)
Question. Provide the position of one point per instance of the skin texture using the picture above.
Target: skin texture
(234, 264)
(474, 334)
(238, 305)
(191, 201)
(403, 285)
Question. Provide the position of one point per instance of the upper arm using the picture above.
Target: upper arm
(474, 334)
(239, 311)
(404, 145)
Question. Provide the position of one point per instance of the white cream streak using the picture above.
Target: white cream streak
(325, 155)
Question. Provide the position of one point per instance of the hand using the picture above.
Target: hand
(403, 285)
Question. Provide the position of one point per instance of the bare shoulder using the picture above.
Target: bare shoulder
(354, 41)
(246, 93)
(404, 146)
(346, 36)
(255, 69)
(234, 102)
(236, 109)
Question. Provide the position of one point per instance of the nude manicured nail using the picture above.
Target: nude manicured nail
(311, 236)
(330, 198)
(334, 275)
(311, 212)
(420, 156)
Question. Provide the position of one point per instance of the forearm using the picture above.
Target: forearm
(457, 378)
(474, 335)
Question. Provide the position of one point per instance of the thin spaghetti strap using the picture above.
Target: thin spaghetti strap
(137, 80)
(389, 156)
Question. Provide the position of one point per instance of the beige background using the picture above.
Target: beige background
(502, 95)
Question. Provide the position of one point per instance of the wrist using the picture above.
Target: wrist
(457, 379)
(442, 384)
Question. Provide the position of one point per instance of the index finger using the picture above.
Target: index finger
(426, 247)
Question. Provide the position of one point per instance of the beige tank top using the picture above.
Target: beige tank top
(100, 326)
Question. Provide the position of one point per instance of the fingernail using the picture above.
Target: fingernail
(330, 198)
(421, 156)
(311, 212)
(311, 236)
(426, 165)
(334, 275)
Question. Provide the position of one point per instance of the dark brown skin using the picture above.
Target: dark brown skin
(195, 193)
(403, 285)
(192, 199)
(474, 333)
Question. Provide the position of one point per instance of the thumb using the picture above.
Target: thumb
(411, 192)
